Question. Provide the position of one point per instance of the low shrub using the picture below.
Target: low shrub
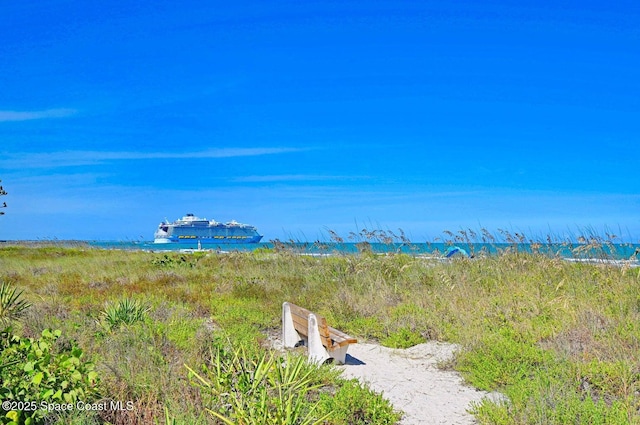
(36, 373)
(355, 404)
(403, 338)
(245, 389)
(502, 359)
(125, 312)
(238, 387)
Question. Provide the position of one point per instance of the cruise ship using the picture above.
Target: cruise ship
(192, 229)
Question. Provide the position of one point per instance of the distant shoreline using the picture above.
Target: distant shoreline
(614, 253)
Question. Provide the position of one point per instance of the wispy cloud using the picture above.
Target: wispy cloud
(9, 116)
(79, 158)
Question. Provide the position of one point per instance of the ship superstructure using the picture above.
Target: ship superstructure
(192, 229)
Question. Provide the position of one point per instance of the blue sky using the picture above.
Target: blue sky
(300, 117)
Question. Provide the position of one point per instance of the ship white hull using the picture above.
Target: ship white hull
(191, 230)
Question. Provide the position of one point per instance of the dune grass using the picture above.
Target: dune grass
(559, 339)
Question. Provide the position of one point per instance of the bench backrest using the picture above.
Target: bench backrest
(301, 323)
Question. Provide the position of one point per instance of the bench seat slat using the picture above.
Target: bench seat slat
(341, 338)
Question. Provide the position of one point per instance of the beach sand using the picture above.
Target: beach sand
(411, 381)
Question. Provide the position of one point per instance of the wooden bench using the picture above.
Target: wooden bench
(301, 326)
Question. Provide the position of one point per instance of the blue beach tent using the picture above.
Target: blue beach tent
(456, 250)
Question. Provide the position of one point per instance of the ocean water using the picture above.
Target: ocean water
(630, 253)
(606, 251)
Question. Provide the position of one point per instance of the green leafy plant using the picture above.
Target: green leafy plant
(502, 359)
(125, 312)
(35, 371)
(262, 389)
(355, 404)
(12, 306)
(403, 338)
(173, 260)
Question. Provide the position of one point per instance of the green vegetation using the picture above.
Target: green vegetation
(185, 338)
(12, 307)
(242, 388)
(125, 312)
(37, 371)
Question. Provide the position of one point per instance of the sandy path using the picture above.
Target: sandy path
(411, 380)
